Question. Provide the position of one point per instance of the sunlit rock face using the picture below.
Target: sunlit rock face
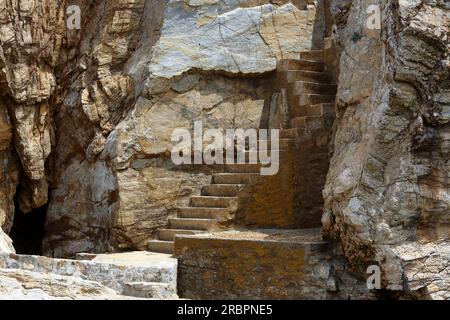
(387, 194)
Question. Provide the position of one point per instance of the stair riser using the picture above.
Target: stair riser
(283, 144)
(302, 65)
(161, 247)
(313, 111)
(169, 235)
(235, 179)
(298, 123)
(221, 190)
(212, 202)
(299, 90)
(186, 224)
(301, 87)
(289, 134)
(201, 213)
(314, 55)
(294, 76)
(305, 99)
(243, 168)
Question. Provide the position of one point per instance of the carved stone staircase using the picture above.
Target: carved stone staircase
(311, 95)
(218, 199)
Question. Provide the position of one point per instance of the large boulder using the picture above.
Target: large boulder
(387, 195)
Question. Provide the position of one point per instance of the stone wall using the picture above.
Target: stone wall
(250, 269)
(263, 264)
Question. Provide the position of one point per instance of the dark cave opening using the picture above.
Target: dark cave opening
(28, 231)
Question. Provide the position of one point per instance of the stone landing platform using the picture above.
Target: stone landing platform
(257, 264)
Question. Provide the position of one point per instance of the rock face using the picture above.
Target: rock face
(16, 284)
(387, 194)
(133, 274)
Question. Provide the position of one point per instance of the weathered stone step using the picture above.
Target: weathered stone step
(312, 55)
(291, 76)
(283, 144)
(304, 87)
(309, 124)
(234, 178)
(312, 99)
(292, 133)
(298, 123)
(161, 246)
(282, 152)
(222, 190)
(200, 213)
(193, 224)
(212, 202)
(317, 110)
(243, 168)
(169, 234)
(305, 65)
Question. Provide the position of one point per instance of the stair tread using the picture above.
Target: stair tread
(192, 219)
(236, 174)
(212, 197)
(161, 246)
(169, 234)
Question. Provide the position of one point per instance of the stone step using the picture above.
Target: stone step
(169, 234)
(243, 168)
(317, 110)
(212, 202)
(304, 87)
(283, 144)
(312, 99)
(161, 246)
(291, 76)
(313, 55)
(251, 155)
(222, 190)
(309, 124)
(292, 133)
(298, 123)
(200, 213)
(193, 224)
(305, 65)
(234, 178)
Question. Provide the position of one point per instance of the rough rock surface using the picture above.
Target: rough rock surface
(107, 276)
(17, 284)
(387, 194)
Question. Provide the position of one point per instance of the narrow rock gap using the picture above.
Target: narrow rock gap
(28, 230)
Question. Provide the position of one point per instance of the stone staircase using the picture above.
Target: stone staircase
(310, 92)
(310, 95)
(218, 199)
